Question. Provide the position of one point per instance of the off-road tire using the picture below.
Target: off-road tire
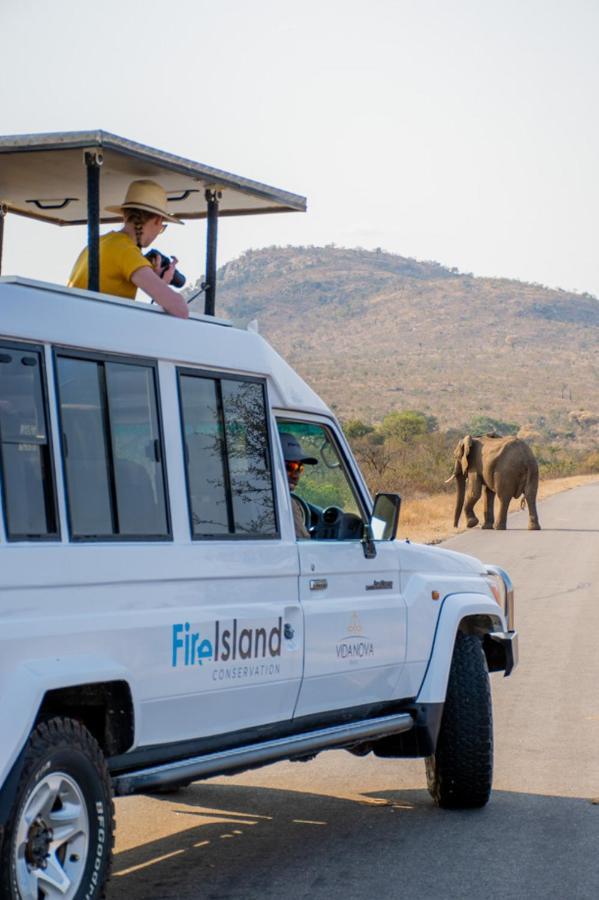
(65, 746)
(460, 773)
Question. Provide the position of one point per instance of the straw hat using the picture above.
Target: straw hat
(146, 195)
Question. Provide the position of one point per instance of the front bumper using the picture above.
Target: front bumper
(503, 647)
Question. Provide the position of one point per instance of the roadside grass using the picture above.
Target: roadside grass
(429, 520)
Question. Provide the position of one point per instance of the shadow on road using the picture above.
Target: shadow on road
(264, 843)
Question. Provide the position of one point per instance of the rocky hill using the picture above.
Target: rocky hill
(374, 332)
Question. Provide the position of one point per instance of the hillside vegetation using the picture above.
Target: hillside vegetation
(374, 333)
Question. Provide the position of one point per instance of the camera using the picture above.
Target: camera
(165, 261)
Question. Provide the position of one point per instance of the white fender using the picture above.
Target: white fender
(23, 691)
(456, 607)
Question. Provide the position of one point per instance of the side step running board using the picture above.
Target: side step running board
(247, 757)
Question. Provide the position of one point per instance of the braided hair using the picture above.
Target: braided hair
(138, 217)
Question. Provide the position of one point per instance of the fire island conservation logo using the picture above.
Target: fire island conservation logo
(248, 652)
(355, 645)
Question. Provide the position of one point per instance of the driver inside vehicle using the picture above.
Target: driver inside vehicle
(295, 460)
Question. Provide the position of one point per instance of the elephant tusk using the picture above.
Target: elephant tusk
(447, 480)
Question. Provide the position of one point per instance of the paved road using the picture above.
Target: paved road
(349, 828)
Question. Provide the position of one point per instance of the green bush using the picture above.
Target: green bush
(407, 425)
(487, 425)
(356, 428)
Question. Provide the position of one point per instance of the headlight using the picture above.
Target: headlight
(503, 590)
(497, 586)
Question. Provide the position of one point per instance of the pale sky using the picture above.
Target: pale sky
(464, 131)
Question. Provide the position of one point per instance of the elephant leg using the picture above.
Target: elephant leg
(531, 502)
(474, 492)
(504, 505)
(489, 504)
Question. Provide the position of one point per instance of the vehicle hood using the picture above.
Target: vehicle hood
(424, 558)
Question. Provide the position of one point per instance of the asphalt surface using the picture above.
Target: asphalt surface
(348, 828)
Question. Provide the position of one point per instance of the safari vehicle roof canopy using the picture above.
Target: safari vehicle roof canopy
(70, 178)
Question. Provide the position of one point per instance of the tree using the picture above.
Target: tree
(356, 428)
(487, 425)
(408, 424)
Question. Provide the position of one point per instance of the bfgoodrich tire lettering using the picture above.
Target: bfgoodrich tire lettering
(460, 772)
(60, 834)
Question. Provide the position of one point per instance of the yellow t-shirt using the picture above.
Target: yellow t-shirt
(120, 257)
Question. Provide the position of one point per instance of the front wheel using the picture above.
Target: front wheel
(460, 772)
(60, 834)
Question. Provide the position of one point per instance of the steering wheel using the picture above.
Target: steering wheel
(306, 514)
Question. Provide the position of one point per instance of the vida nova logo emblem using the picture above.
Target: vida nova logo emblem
(355, 645)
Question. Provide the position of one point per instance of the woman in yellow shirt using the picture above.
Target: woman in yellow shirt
(123, 267)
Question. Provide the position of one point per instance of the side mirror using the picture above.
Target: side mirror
(385, 516)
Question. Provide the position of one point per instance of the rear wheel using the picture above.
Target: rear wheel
(460, 772)
(59, 838)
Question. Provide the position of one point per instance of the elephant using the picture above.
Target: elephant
(504, 466)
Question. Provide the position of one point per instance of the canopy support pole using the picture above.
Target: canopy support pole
(212, 197)
(93, 161)
(3, 211)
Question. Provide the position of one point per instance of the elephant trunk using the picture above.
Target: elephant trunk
(460, 483)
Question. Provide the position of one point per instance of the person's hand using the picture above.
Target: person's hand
(167, 275)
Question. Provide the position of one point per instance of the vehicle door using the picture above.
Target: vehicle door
(354, 614)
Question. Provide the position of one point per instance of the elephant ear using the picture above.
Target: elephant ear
(467, 442)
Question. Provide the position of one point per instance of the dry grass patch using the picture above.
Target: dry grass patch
(428, 520)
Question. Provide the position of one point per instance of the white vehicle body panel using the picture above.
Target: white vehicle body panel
(355, 633)
(120, 603)
(456, 607)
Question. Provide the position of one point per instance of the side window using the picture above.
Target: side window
(227, 454)
(204, 453)
(248, 456)
(27, 477)
(325, 498)
(112, 449)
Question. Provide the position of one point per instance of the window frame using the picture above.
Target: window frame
(349, 464)
(98, 357)
(218, 377)
(50, 493)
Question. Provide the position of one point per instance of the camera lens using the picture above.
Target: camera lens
(178, 279)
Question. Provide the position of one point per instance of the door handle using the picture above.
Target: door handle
(288, 631)
(318, 584)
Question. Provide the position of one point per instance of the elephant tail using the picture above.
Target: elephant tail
(520, 490)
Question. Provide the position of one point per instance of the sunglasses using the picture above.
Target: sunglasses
(294, 467)
(163, 227)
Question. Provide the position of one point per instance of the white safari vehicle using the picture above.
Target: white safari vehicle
(160, 622)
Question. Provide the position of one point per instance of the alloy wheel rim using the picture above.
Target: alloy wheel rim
(52, 840)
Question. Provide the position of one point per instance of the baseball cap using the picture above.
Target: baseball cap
(292, 450)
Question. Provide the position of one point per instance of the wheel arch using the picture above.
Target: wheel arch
(474, 614)
(104, 707)
(38, 689)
